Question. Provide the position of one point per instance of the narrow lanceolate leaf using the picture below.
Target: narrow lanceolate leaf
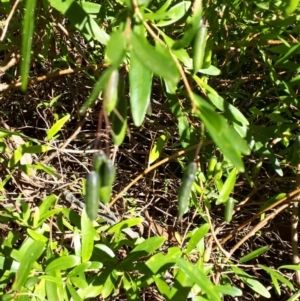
(118, 117)
(199, 278)
(254, 254)
(63, 263)
(27, 35)
(140, 82)
(111, 92)
(87, 232)
(57, 126)
(199, 47)
(251, 282)
(222, 133)
(32, 253)
(160, 63)
(227, 188)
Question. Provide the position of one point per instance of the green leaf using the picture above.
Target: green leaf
(277, 276)
(117, 228)
(254, 254)
(63, 263)
(221, 133)
(110, 284)
(75, 296)
(174, 14)
(115, 49)
(198, 277)
(231, 111)
(118, 117)
(211, 70)
(35, 149)
(228, 290)
(27, 35)
(111, 92)
(140, 83)
(157, 149)
(160, 63)
(227, 188)
(52, 288)
(47, 203)
(57, 126)
(293, 267)
(79, 269)
(98, 87)
(32, 253)
(144, 249)
(251, 282)
(88, 234)
(159, 260)
(81, 20)
(290, 6)
(196, 237)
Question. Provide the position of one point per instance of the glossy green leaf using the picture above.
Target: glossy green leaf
(87, 240)
(186, 188)
(289, 6)
(63, 263)
(90, 7)
(288, 54)
(196, 237)
(47, 203)
(159, 260)
(111, 92)
(228, 290)
(254, 254)
(174, 14)
(115, 49)
(211, 70)
(157, 148)
(56, 127)
(75, 296)
(227, 188)
(52, 288)
(118, 117)
(145, 248)
(251, 282)
(199, 278)
(221, 133)
(27, 35)
(140, 81)
(160, 63)
(35, 149)
(231, 111)
(294, 267)
(199, 47)
(32, 253)
(79, 269)
(110, 284)
(81, 20)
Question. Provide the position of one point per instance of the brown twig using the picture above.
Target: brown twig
(257, 215)
(149, 169)
(8, 20)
